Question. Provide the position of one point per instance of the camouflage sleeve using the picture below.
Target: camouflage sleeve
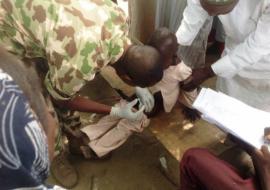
(65, 87)
(77, 37)
(115, 34)
(67, 75)
(78, 51)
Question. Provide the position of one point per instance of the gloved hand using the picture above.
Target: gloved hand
(146, 98)
(127, 112)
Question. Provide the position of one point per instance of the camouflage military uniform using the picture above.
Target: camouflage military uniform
(77, 37)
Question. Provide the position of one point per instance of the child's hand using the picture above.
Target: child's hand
(191, 114)
(197, 77)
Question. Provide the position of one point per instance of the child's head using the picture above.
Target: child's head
(140, 66)
(166, 43)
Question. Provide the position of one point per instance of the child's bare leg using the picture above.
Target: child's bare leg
(190, 114)
(158, 105)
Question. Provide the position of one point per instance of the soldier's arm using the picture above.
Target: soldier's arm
(75, 70)
(64, 89)
(83, 104)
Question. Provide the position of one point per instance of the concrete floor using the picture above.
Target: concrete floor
(136, 164)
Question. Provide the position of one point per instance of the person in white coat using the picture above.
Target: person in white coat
(244, 70)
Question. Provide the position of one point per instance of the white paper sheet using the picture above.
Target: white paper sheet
(233, 116)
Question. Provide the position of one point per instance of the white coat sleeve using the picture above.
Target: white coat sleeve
(255, 46)
(194, 17)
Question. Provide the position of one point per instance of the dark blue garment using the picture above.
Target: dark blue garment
(24, 158)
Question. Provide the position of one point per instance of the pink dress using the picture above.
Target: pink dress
(111, 132)
(170, 89)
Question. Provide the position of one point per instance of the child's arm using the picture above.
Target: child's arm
(182, 73)
(187, 98)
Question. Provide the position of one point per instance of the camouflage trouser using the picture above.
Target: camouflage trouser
(66, 119)
(58, 140)
(68, 122)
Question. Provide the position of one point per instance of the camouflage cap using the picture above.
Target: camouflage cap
(219, 2)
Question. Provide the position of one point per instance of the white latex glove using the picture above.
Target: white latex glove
(146, 98)
(127, 112)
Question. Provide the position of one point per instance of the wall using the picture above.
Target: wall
(142, 13)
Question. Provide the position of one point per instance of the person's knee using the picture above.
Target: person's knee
(194, 153)
(193, 157)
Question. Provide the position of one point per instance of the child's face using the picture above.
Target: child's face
(169, 51)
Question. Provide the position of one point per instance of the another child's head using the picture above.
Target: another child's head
(166, 43)
(140, 66)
